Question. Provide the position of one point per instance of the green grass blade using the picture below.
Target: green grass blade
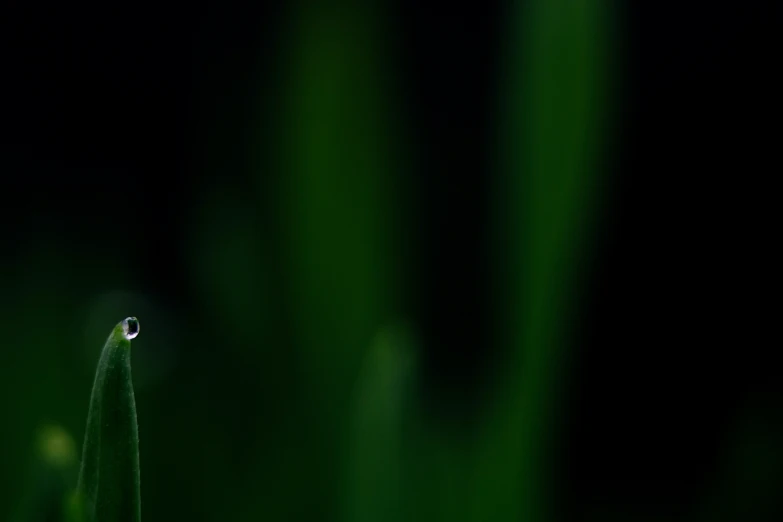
(382, 407)
(109, 488)
(554, 110)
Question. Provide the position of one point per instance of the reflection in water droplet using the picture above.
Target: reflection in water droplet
(130, 327)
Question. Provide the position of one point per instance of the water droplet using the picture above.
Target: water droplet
(130, 327)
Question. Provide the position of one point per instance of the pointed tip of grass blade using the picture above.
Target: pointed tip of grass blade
(109, 478)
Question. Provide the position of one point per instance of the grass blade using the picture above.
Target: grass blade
(557, 76)
(382, 408)
(109, 488)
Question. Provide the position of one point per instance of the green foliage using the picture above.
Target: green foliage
(546, 202)
(109, 487)
(381, 410)
(51, 477)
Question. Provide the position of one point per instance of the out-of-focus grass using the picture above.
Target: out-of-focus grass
(553, 101)
(337, 202)
(52, 475)
(382, 414)
(337, 197)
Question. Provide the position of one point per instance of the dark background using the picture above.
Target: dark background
(229, 175)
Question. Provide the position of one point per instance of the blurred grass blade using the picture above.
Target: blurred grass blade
(337, 193)
(553, 110)
(381, 407)
(109, 488)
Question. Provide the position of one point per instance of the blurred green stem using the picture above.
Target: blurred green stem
(553, 95)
